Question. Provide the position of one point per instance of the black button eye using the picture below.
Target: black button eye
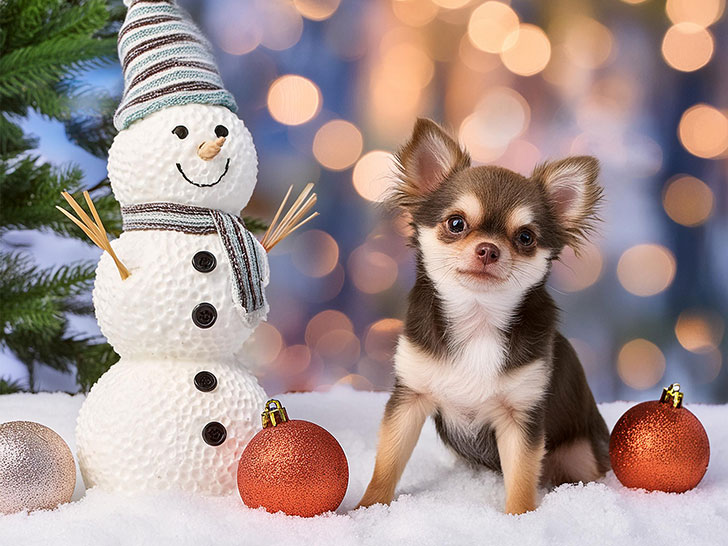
(221, 131)
(181, 131)
(525, 237)
(456, 224)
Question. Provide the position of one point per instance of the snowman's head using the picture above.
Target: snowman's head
(194, 154)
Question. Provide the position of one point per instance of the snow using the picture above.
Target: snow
(440, 501)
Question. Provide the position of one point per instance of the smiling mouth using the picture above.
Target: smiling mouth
(224, 172)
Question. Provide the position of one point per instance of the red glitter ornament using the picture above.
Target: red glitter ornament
(659, 445)
(292, 466)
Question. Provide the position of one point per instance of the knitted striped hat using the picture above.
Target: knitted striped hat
(166, 61)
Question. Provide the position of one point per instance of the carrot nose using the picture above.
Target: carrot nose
(209, 149)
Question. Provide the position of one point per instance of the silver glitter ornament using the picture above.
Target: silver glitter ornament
(37, 470)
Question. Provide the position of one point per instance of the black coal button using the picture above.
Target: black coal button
(204, 261)
(214, 433)
(205, 381)
(204, 315)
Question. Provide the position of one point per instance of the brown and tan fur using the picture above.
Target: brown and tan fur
(480, 352)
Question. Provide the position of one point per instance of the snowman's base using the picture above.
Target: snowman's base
(439, 501)
(142, 426)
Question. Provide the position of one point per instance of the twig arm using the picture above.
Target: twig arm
(93, 229)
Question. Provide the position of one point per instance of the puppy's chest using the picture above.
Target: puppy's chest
(469, 376)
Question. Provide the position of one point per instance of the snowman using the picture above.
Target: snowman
(178, 408)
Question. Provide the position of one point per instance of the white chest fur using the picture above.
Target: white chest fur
(470, 387)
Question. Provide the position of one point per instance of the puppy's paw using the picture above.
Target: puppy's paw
(374, 496)
(521, 506)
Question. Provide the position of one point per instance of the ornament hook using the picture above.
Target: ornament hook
(274, 414)
(672, 395)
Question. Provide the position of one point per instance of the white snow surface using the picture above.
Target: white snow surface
(440, 500)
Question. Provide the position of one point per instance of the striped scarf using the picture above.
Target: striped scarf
(244, 252)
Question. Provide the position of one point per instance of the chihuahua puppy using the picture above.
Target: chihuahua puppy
(480, 351)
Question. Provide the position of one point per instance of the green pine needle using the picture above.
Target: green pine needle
(45, 45)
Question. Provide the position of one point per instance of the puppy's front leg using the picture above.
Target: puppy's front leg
(404, 416)
(521, 455)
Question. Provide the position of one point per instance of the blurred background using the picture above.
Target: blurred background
(330, 88)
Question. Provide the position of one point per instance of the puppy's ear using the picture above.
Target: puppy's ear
(574, 195)
(429, 157)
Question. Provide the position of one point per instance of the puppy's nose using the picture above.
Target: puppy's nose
(208, 150)
(488, 253)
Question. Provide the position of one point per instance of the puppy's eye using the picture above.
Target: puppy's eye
(456, 224)
(526, 237)
(181, 131)
(221, 131)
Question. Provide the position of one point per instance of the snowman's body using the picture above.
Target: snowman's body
(152, 421)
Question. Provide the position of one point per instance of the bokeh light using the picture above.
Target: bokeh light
(371, 271)
(316, 10)
(315, 253)
(700, 12)
(526, 51)
(587, 42)
(373, 175)
(415, 13)
(281, 24)
(452, 4)
(640, 364)
(356, 381)
(293, 100)
(239, 35)
(264, 345)
(293, 360)
(699, 331)
(500, 116)
(490, 24)
(404, 63)
(381, 339)
(476, 59)
(340, 346)
(688, 200)
(646, 270)
(703, 130)
(337, 144)
(572, 274)
(324, 322)
(687, 47)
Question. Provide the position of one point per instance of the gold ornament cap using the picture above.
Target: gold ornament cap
(672, 395)
(274, 414)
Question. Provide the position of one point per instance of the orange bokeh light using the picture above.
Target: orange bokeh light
(687, 47)
(572, 274)
(316, 10)
(490, 24)
(315, 253)
(293, 100)
(646, 270)
(700, 12)
(640, 364)
(699, 331)
(703, 131)
(526, 51)
(688, 201)
(337, 144)
(373, 175)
